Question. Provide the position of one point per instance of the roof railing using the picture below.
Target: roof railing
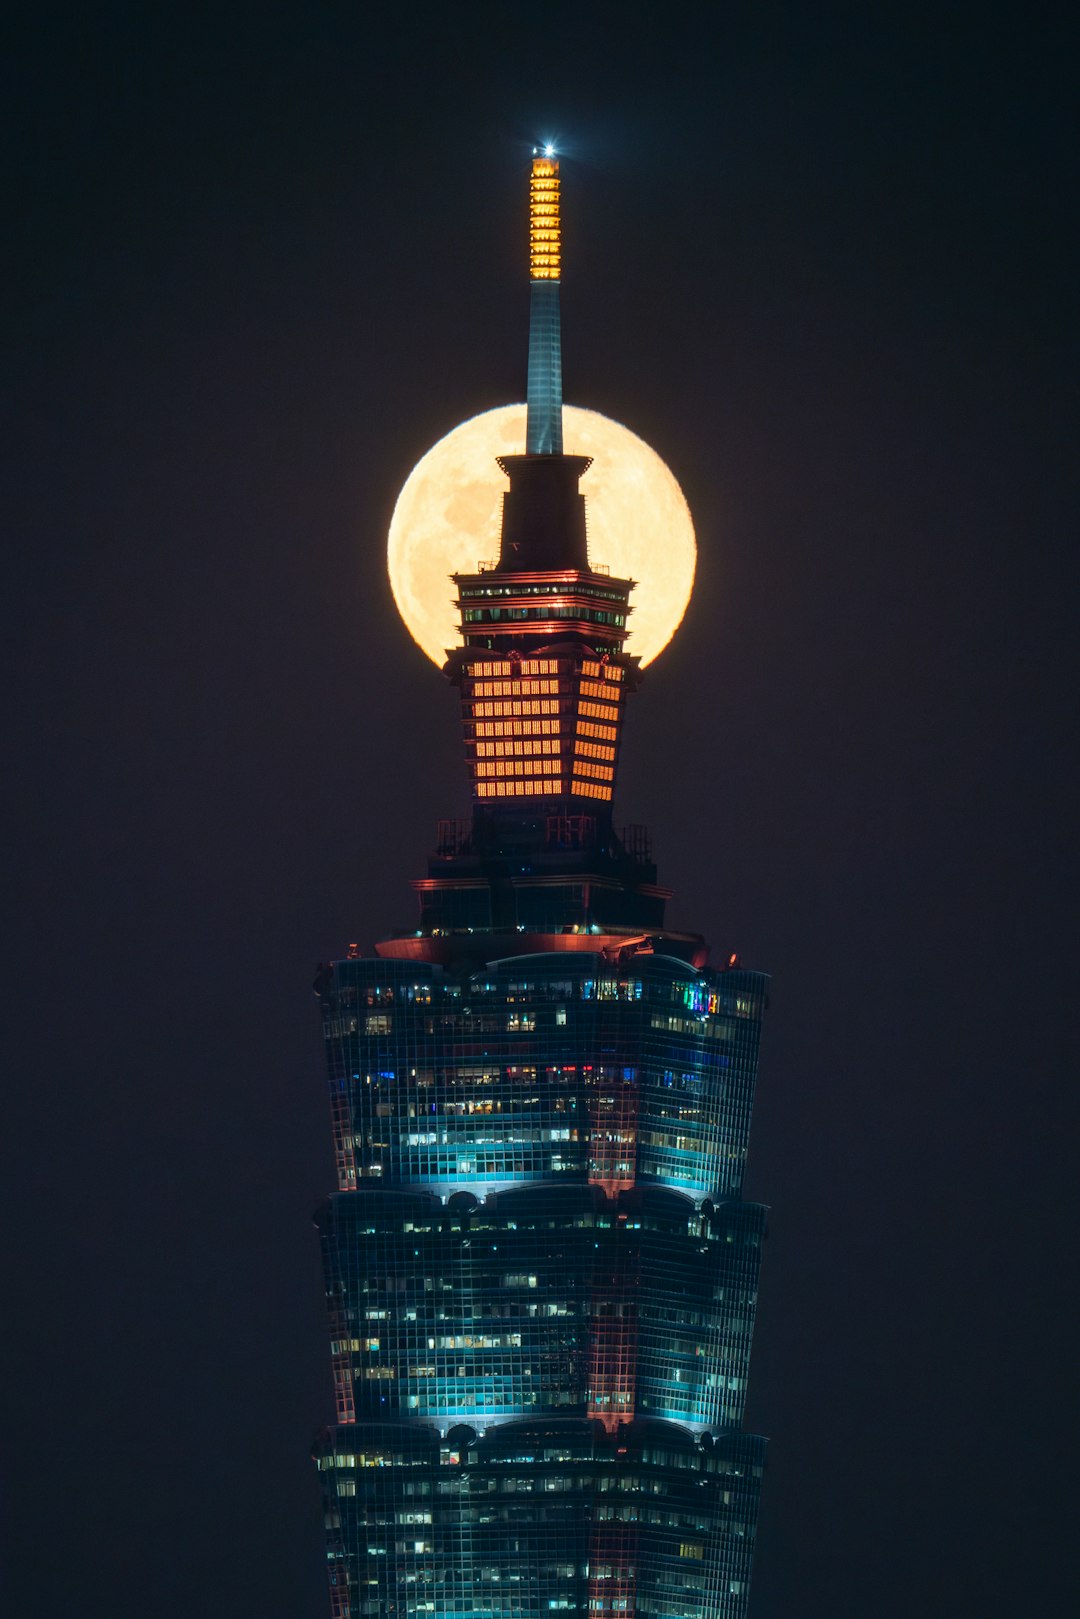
(636, 839)
(453, 837)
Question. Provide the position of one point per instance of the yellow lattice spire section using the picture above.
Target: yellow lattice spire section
(545, 258)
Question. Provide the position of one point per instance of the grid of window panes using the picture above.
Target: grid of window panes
(492, 1311)
(539, 1238)
(557, 1067)
(542, 726)
(535, 1518)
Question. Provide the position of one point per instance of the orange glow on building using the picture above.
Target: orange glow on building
(545, 231)
(530, 723)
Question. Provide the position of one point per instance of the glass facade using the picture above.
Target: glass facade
(505, 1308)
(557, 1066)
(541, 1282)
(539, 1517)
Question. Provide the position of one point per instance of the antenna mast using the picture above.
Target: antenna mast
(544, 431)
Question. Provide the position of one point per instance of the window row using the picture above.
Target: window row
(514, 688)
(547, 786)
(527, 666)
(589, 789)
(506, 749)
(547, 769)
(543, 705)
(519, 728)
(583, 767)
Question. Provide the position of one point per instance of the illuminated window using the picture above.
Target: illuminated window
(534, 748)
(544, 186)
(513, 787)
(589, 789)
(490, 668)
(522, 727)
(541, 705)
(506, 688)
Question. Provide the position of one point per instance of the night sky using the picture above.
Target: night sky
(263, 256)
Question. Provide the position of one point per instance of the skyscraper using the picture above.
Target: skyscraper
(540, 1273)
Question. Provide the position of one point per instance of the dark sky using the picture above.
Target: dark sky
(262, 257)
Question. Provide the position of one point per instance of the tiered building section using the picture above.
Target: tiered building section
(541, 1281)
(542, 674)
(540, 1273)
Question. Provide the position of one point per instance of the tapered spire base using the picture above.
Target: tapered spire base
(544, 429)
(543, 521)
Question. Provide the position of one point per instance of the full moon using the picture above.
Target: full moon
(447, 520)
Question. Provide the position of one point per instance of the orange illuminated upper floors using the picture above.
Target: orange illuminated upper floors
(512, 667)
(542, 726)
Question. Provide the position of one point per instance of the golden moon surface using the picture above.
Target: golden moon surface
(447, 520)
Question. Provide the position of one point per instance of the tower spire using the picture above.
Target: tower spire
(544, 1057)
(544, 429)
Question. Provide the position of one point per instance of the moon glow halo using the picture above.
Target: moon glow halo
(448, 514)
